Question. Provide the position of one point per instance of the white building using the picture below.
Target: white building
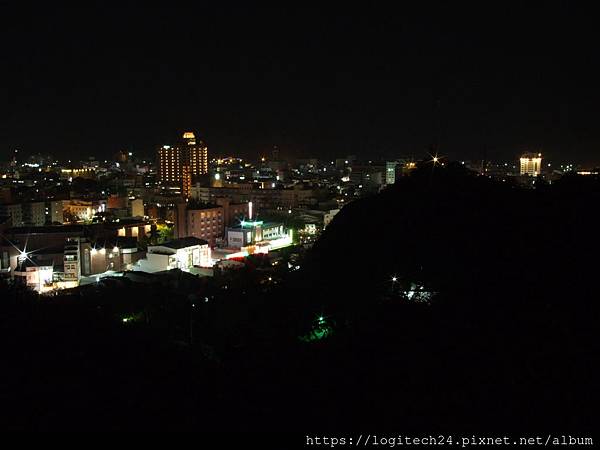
(36, 275)
(81, 209)
(183, 253)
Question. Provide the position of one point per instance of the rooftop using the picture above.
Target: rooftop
(49, 229)
(118, 241)
(22, 265)
(188, 241)
(255, 223)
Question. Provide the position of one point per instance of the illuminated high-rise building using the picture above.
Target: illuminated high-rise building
(179, 164)
(169, 165)
(186, 181)
(195, 154)
(531, 164)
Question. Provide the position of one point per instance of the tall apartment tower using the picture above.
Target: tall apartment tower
(531, 164)
(179, 164)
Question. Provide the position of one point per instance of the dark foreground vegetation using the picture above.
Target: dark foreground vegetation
(507, 341)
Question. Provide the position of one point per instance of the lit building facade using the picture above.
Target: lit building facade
(182, 254)
(115, 254)
(531, 164)
(206, 223)
(72, 261)
(390, 172)
(179, 164)
(36, 275)
(257, 237)
(209, 222)
(169, 165)
(195, 154)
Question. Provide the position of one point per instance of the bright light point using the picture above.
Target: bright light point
(435, 159)
(394, 279)
(217, 176)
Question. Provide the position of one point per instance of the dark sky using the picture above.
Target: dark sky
(90, 80)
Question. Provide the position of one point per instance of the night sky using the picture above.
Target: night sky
(90, 80)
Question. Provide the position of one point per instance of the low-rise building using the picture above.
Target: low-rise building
(35, 274)
(183, 253)
(251, 237)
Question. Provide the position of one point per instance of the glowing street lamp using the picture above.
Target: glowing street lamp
(394, 282)
(22, 256)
